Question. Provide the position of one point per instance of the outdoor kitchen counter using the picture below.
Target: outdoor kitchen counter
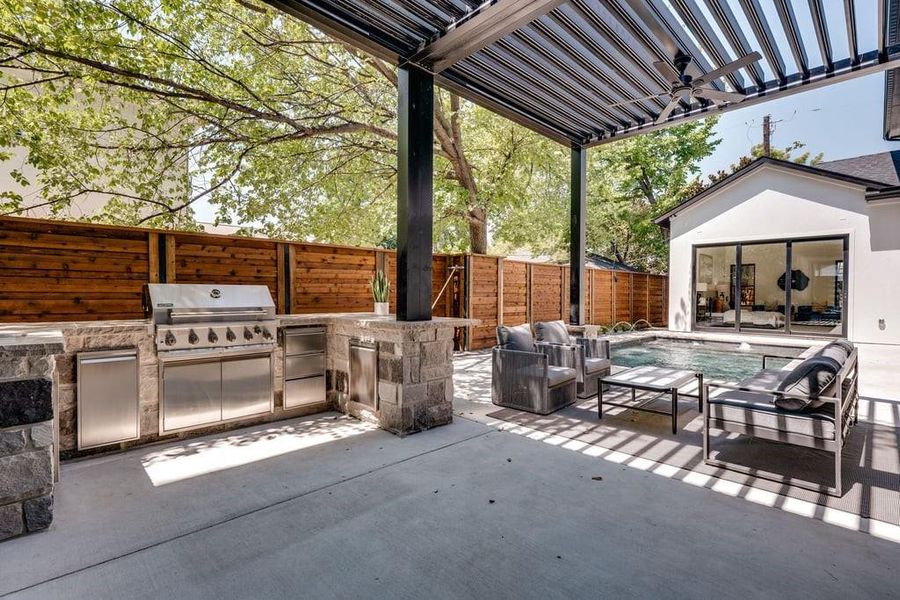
(413, 381)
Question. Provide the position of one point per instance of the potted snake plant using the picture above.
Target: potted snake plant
(381, 290)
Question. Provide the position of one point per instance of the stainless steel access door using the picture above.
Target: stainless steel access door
(246, 386)
(108, 410)
(363, 373)
(192, 394)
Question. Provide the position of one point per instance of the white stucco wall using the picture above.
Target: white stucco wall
(774, 203)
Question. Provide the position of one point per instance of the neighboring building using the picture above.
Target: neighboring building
(817, 250)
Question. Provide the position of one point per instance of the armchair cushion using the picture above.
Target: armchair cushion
(593, 365)
(812, 378)
(554, 332)
(516, 338)
(559, 375)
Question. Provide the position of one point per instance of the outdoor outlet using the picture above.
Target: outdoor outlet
(881, 324)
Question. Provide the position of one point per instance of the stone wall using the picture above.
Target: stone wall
(26, 449)
(415, 373)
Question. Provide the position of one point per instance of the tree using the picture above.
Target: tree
(649, 174)
(279, 125)
(758, 151)
(159, 104)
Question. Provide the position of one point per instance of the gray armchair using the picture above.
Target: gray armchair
(591, 355)
(538, 378)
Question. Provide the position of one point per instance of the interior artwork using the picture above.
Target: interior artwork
(799, 280)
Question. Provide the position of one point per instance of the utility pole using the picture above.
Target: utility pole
(767, 135)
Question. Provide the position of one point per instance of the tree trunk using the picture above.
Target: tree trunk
(478, 242)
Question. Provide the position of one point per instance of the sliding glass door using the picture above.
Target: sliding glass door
(784, 286)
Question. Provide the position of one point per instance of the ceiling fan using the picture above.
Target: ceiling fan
(686, 87)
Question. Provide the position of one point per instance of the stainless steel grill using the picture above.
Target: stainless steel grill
(204, 317)
(216, 346)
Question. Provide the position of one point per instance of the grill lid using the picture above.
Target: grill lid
(174, 303)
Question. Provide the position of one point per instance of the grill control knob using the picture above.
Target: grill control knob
(248, 335)
(192, 337)
(257, 330)
(266, 334)
(229, 335)
(170, 339)
(212, 337)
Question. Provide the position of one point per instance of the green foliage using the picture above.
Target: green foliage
(381, 287)
(155, 105)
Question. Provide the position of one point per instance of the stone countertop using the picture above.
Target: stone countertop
(372, 321)
(21, 340)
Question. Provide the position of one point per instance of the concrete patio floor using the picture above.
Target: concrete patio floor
(327, 507)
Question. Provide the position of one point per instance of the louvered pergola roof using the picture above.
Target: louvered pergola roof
(570, 69)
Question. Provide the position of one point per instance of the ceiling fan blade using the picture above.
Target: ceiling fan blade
(729, 68)
(661, 118)
(717, 96)
(625, 102)
(667, 71)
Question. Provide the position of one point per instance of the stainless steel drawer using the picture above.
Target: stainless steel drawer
(304, 365)
(300, 392)
(304, 340)
(108, 409)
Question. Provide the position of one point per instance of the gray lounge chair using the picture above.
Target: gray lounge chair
(591, 355)
(538, 378)
(812, 405)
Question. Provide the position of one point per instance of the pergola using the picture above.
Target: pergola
(582, 72)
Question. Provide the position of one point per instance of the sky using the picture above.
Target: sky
(841, 120)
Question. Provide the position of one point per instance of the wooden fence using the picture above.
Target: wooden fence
(59, 271)
(540, 292)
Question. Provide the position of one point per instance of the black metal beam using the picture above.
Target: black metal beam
(817, 12)
(852, 38)
(577, 221)
(479, 31)
(415, 203)
(760, 26)
(792, 31)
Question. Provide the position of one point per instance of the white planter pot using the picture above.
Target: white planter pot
(382, 308)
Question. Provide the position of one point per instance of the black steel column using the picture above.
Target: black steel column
(578, 217)
(415, 134)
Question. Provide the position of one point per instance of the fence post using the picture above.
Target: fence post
(528, 281)
(499, 290)
(153, 257)
(170, 258)
(467, 297)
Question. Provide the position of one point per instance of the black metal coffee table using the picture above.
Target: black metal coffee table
(662, 380)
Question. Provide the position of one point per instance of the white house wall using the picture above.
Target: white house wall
(774, 203)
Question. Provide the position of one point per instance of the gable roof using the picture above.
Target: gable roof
(868, 184)
(883, 167)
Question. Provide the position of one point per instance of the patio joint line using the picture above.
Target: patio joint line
(246, 514)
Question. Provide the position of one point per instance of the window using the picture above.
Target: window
(793, 286)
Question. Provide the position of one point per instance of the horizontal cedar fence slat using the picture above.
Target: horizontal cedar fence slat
(65, 271)
(68, 271)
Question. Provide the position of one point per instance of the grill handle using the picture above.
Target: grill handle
(176, 316)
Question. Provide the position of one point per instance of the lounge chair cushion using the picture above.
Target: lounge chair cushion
(516, 338)
(754, 409)
(839, 350)
(559, 375)
(812, 378)
(593, 365)
(553, 332)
